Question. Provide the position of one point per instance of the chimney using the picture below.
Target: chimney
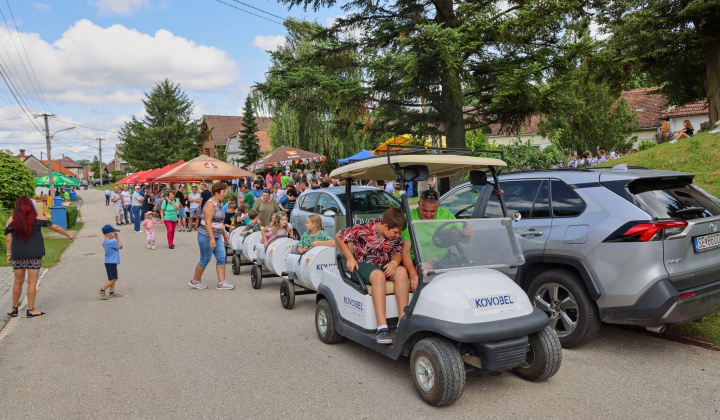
(22, 153)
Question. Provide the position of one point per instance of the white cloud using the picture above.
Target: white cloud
(98, 97)
(90, 61)
(120, 7)
(269, 42)
(42, 6)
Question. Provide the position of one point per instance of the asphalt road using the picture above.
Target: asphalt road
(164, 350)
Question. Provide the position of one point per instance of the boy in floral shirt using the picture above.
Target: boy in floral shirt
(377, 255)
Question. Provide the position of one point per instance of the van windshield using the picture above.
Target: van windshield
(673, 199)
(452, 244)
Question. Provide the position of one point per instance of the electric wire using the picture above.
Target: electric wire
(247, 11)
(21, 81)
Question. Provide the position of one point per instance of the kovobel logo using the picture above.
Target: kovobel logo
(321, 267)
(499, 303)
(353, 304)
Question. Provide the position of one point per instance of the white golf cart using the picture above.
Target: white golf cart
(465, 313)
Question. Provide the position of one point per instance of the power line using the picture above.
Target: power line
(247, 11)
(253, 7)
(12, 62)
(9, 83)
(90, 128)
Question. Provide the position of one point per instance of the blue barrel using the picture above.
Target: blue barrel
(57, 200)
(58, 214)
(73, 195)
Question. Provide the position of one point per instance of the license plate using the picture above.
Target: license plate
(707, 242)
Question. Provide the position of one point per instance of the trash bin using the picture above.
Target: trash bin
(73, 196)
(57, 201)
(58, 215)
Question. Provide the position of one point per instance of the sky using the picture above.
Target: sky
(91, 62)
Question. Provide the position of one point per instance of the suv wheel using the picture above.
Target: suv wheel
(573, 314)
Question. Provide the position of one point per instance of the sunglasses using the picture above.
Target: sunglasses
(432, 195)
(267, 191)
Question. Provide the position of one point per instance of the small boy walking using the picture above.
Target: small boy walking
(112, 247)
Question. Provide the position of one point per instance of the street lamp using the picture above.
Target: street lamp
(49, 137)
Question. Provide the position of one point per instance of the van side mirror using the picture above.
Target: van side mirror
(478, 178)
(415, 173)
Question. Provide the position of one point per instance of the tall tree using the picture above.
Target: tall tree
(675, 43)
(166, 134)
(248, 139)
(443, 66)
(95, 167)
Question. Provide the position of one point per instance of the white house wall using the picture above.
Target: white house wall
(677, 123)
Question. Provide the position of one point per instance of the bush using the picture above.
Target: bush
(4, 215)
(646, 144)
(72, 216)
(15, 180)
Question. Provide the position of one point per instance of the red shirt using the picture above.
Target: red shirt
(369, 246)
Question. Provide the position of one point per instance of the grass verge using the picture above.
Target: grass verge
(708, 328)
(54, 246)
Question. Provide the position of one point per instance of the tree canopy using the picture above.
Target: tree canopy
(248, 139)
(440, 66)
(15, 180)
(166, 134)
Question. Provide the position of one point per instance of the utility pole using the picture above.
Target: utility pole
(100, 140)
(47, 144)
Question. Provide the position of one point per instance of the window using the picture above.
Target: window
(308, 202)
(326, 203)
(370, 201)
(529, 198)
(673, 199)
(461, 202)
(565, 201)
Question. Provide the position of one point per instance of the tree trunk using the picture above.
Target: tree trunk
(711, 50)
(451, 98)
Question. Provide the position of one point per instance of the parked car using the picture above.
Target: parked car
(619, 245)
(99, 181)
(329, 202)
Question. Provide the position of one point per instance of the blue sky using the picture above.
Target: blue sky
(91, 61)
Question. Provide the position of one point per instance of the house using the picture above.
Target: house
(57, 167)
(649, 107)
(224, 133)
(696, 112)
(36, 167)
(119, 164)
(72, 166)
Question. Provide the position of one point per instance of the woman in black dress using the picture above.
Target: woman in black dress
(25, 246)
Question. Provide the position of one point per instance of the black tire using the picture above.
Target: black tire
(438, 371)
(287, 294)
(573, 314)
(236, 264)
(256, 277)
(544, 356)
(325, 323)
(296, 235)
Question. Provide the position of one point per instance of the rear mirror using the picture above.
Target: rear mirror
(478, 178)
(415, 173)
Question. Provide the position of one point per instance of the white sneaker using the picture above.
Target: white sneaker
(673, 141)
(199, 285)
(148, 246)
(153, 247)
(225, 286)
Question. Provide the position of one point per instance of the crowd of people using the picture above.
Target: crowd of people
(588, 159)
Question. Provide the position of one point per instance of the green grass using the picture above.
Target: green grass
(54, 247)
(699, 155)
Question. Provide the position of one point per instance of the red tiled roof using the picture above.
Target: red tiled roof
(690, 110)
(57, 167)
(530, 126)
(223, 127)
(649, 106)
(69, 163)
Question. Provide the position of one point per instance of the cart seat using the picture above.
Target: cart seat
(389, 288)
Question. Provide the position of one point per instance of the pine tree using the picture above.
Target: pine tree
(166, 134)
(248, 139)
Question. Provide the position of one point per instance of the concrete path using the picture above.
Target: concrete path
(164, 350)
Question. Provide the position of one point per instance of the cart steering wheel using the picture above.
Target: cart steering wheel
(447, 238)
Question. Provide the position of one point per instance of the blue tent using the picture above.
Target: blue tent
(363, 154)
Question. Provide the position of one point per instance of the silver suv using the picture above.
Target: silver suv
(619, 245)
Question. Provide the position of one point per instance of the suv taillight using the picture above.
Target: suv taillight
(646, 231)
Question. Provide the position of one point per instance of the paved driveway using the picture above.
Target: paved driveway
(165, 350)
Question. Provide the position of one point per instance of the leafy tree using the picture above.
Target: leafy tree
(95, 167)
(15, 180)
(440, 66)
(248, 139)
(674, 43)
(166, 134)
(83, 162)
(588, 117)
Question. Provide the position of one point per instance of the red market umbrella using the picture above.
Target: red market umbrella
(203, 168)
(285, 156)
(150, 175)
(130, 179)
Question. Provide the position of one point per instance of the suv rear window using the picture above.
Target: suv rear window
(370, 201)
(673, 199)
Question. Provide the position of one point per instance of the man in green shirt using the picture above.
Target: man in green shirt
(247, 196)
(428, 209)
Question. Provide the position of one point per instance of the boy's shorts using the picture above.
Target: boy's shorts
(365, 269)
(118, 211)
(181, 212)
(111, 269)
(195, 212)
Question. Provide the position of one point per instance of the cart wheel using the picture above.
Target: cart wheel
(256, 277)
(438, 371)
(325, 324)
(236, 264)
(287, 294)
(544, 356)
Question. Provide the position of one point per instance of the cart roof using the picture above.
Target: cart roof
(438, 165)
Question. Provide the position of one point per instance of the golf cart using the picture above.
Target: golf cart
(465, 314)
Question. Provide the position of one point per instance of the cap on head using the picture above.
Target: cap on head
(107, 229)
